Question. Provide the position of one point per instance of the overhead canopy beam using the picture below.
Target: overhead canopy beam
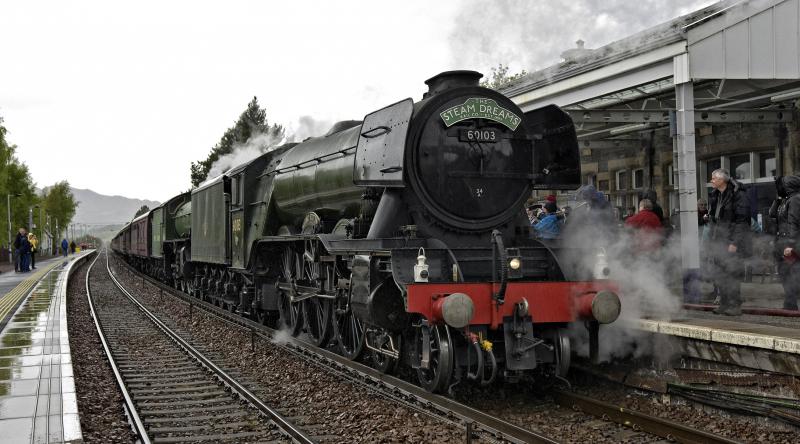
(611, 144)
(710, 116)
(640, 69)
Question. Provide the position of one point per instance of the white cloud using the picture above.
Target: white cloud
(121, 97)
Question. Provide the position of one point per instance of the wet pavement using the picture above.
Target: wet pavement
(37, 390)
(15, 286)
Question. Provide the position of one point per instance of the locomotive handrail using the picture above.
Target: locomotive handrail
(385, 129)
(301, 165)
(491, 175)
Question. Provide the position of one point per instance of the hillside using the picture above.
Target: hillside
(96, 209)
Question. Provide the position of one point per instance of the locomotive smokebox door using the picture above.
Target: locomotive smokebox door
(381, 146)
(556, 154)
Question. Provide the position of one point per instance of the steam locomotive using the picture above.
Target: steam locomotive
(401, 236)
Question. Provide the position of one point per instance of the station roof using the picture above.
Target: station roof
(743, 57)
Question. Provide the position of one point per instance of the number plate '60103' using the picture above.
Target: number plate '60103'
(478, 135)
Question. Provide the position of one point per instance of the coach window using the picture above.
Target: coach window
(235, 197)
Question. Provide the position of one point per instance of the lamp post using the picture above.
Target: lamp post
(30, 219)
(49, 233)
(10, 256)
(41, 227)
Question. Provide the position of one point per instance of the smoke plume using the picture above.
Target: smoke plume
(262, 143)
(649, 282)
(245, 152)
(531, 35)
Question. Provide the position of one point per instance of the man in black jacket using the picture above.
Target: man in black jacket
(786, 211)
(729, 217)
(17, 246)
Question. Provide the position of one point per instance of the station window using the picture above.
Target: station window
(603, 186)
(740, 167)
(670, 176)
(766, 165)
(622, 180)
(711, 166)
(638, 178)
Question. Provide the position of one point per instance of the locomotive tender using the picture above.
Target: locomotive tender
(401, 236)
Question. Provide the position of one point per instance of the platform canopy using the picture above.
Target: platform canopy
(729, 62)
(743, 59)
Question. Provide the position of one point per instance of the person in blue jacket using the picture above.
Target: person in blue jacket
(549, 226)
(64, 247)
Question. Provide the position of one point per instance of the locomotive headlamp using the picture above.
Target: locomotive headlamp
(421, 268)
(457, 310)
(601, 269)
(514, 263)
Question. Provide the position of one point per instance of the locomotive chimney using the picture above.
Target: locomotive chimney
(451, 79)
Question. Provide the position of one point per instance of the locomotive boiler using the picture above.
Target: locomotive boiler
(401, 236)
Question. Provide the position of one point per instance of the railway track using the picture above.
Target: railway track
(173, 391)
(478, 425)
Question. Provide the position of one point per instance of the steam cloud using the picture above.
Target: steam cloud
(262, 143)
(531, 35)
(649, 283)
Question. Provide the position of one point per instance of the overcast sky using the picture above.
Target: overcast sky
(120, 97)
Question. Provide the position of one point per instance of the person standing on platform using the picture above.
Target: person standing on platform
(64, 247)
(548, 227)
(17, 246)
(787, 215)
(34, 246)
(25, 254)
(647, 229)
(729, 239)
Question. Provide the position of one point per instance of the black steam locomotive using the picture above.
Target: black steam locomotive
(401, 236)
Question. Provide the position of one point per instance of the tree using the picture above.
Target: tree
(15, 181)
(500, 77)
(60, 204)
(141, 211)
(252, 123)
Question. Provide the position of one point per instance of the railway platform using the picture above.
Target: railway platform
(37, 391)
(764, 337)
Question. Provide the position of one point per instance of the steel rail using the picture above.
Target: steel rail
(133, 414)
(290, 429)
(637, 420)
(395, 388)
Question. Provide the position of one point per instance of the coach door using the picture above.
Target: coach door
(237, 222)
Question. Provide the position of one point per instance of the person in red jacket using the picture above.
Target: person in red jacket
(647, 229)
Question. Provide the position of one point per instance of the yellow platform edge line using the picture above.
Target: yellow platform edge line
(10, 299)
